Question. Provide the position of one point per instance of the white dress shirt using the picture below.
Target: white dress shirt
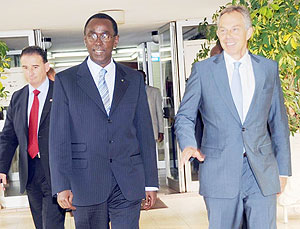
(247, 78)
(110, 77)
(43, 88)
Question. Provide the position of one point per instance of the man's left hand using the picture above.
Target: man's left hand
(150, 199)
(283, 181)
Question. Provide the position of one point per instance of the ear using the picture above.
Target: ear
(47, 66)
(116, 41)
(249, 33)
(84, 40)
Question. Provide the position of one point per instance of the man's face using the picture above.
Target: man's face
(100, 51)
(35, 70)
(233, 34)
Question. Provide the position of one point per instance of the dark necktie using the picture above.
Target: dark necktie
(33, 146)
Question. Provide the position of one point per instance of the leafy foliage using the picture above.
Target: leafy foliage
(276, 36)
(4, 63)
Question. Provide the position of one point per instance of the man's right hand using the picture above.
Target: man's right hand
(3, 181)
(189, 152)
(65, 199)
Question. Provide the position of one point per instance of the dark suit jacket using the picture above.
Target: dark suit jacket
(15, 132)
(87, 146)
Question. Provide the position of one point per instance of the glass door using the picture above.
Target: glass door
(170, 92)
(189, 42)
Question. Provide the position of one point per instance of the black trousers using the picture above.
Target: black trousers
(44, 208)
(121, 213)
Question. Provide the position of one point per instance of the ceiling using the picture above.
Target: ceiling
(63, 20)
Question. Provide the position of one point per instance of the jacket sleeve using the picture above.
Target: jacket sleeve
(278, 126)
(8, 140)
(185, 119)
(60, 154)
(145, 137)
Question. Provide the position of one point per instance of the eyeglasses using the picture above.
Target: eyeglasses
(104, 37)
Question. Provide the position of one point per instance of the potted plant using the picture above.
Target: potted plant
(276, 36)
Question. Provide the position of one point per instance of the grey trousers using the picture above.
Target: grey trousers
(250, 209)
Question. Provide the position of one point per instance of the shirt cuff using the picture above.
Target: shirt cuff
(149, 189)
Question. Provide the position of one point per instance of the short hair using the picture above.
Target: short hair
(30, 50)
(103, 16)
(240, 9)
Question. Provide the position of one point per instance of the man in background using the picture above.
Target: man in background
(155, 105)
(27, 126)
(51, 74)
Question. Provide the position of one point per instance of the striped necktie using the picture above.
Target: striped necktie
(236, 89)
(103, 90)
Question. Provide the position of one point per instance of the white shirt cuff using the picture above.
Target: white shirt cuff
(149, 189)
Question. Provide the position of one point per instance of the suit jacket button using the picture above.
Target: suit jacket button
(243, 129)
(109, 121)
(110, 141)
(110, 160)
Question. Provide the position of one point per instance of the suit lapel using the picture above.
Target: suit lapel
(221, 80)
(47, 104)
(24, 110)
(259, 82)
(121, 85)
(86, 83)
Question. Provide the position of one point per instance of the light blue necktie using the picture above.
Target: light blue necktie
(236, 89)
(103, 90)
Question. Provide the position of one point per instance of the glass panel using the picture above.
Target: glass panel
(168, 100)
(15, 43)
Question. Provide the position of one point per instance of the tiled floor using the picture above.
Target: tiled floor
(185, 211)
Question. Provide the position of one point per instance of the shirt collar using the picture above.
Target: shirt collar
(95, 68)
(230, 60)
(43, 87)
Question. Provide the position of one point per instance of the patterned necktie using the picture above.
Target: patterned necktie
(236, 89)
(103, 90)
(33, 146)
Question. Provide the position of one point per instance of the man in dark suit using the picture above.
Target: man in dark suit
(245, 145)
(27, 126)
(102, 147)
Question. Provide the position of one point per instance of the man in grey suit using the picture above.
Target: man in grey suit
(245, 146)
(102, 149)
(155, 105)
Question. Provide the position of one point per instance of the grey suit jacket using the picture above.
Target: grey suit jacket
(87, 147)
(264, 133)
(155, 106)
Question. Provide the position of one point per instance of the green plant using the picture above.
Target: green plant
(276, 36)
(4, 64)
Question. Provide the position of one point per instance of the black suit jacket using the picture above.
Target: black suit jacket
(15, 133)
(87, 146)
